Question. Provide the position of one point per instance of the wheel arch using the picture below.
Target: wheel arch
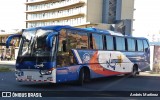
(136, 66)
(86, 69)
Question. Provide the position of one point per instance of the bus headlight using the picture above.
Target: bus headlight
(45, 72)
(19, 73)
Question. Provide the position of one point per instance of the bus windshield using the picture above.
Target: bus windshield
(33, 43)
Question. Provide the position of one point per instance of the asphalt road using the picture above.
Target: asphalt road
(144, 82)
(117, 83)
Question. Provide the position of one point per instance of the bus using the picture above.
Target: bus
(63, 53)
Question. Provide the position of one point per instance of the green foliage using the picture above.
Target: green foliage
(4, 69)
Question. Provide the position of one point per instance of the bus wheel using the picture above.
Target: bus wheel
(134, 71)
(81, 77)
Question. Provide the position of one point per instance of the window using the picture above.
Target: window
(139, 45)
(145, 44)
(63, 55)
(69, 39)
(97, 41)
(109, 43)
(62, 41)
(120, 43)
(131, 44)
(77, 40)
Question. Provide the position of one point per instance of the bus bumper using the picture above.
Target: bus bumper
(35, 76)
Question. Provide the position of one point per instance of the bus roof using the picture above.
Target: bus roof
(88, 30)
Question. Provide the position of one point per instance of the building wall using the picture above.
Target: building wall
(105, 10)
(49, 12)
(94, 11)
(81, 13)
(124, 16)
(124, 9)
(37, 15)
(128, 29)
(118, 9)
(11, 50)
(127, 9)
(109, 11)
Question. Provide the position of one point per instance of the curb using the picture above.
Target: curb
(148, 74)
(7, 62)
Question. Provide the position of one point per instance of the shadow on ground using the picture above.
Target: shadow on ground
(107, 80)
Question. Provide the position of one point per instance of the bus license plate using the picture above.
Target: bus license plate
(29, 77)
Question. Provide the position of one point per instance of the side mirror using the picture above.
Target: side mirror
(49, 39)
(10, 38)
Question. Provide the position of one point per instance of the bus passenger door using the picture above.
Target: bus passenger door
(62, 58)
(66, 67)
(62, 69)
(73, 66)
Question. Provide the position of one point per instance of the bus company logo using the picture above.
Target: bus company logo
(86, 58)
(6, 94)
(39, 66)
(110, 62)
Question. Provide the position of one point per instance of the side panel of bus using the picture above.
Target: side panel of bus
(94, 51)
(68, 73)
(108, 63)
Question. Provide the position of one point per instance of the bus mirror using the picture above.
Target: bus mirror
(20, 31)
(10, 38)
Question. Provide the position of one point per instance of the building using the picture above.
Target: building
(105, 14)
(12, 51)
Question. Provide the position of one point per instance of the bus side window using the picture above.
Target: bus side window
(145, 45)
(97, 41)
(109, 42)
(62, 41)
(77, 40)
(139, 45)
(131, 44)
(62, 55)
(120, 43)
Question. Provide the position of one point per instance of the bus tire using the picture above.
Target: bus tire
(81, 77)
(134, 71)
(84, 76)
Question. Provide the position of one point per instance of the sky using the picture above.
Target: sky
(146, 15)
(12, 14)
